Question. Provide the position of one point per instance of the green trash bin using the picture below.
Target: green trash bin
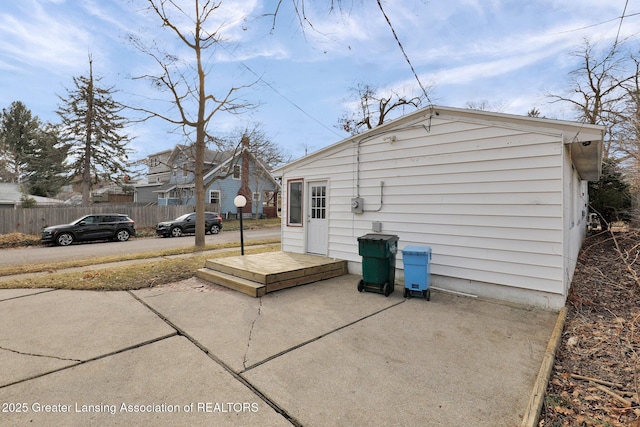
(378, 252)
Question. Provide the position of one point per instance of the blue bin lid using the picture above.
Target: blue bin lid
(416, 250)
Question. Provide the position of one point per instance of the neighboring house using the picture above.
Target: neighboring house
(160, 165)
(500, 199)
(113, 193)
(158, 175)
(147, 192)
(10, 197)
(226, 175)
(171, 174)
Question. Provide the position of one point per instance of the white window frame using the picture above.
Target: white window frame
(211, 192)
(237, 172)
(299, 200)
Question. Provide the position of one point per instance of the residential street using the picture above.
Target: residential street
(46, 254)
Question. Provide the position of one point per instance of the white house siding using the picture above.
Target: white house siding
(487, 198)
(575, 216)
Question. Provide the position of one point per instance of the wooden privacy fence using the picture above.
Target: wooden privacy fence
(31, 221)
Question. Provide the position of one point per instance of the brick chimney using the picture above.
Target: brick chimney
(244, 175)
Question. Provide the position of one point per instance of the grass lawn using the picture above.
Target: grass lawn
(145, 269)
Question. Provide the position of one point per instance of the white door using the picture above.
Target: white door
(317, 224)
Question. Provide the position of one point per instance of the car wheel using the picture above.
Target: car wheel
(64, 239)
(176, 232)
(215, 229)
(122, 235)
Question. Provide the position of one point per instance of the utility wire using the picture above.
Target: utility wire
(260, 79)
(286, 98)
(406, 57)
(599, 23)
(620, 25)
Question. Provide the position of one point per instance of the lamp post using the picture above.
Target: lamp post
(240, 201)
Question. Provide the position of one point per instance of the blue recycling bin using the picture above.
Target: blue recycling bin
(417, 268)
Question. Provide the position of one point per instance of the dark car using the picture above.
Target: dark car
(91, 227)
(187, 224)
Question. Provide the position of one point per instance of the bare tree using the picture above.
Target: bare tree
(534, 112)
(260, 145)
(373, 108)
(485, 105)
(599, 92)
(187, 85)
(604, 90)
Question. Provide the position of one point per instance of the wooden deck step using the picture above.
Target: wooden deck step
(239, 284)
(272, 270)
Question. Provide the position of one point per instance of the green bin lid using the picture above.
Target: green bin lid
(379, 237)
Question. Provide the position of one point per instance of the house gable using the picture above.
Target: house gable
(223, 181)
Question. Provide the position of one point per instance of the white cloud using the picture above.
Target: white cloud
(45, 39)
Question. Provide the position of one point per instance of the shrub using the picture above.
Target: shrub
(14, 240)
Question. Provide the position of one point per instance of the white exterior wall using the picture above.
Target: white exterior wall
(576, 209)
(488, 199)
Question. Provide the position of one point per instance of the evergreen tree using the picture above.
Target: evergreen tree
(46, 170)
(19, 130)
(610, 195)
(91, 121)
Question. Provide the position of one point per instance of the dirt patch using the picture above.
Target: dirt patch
(192, 284)
(596, 379)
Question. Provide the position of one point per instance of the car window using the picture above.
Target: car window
(108, 218)
(91, 219)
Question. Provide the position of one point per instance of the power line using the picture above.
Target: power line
(599, 23)
(406, 57)
(260, 79)
(620, 26)
(285, 97)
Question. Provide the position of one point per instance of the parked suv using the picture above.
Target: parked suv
(187, 224)
(91, 227)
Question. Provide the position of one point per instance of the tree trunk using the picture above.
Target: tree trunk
(86, 171)
(200, 142)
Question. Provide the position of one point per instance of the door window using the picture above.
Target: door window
(318, 202)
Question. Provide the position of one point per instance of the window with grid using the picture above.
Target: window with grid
(318, 201)
(214, 197)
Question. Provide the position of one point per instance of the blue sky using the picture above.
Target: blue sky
(507, 53)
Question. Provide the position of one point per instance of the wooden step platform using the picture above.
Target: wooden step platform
(258, 274)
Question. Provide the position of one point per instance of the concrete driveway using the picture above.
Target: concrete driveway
(322, 354)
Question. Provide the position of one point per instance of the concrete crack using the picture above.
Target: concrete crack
(38, 355)
(246, 351)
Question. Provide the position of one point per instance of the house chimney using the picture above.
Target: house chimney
(244, 174)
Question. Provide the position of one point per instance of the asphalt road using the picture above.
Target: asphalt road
(47, 254)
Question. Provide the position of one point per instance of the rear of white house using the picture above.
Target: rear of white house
(501, 199)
